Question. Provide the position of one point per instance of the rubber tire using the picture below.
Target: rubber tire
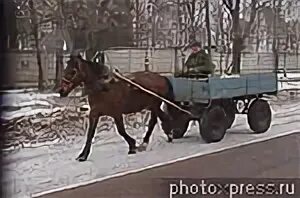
(213, 124)
(259, 116)
(230, 118)
(230, 110)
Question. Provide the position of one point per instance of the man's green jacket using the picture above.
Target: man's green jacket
(200, 62)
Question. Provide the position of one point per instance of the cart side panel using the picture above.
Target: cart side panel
(182, 88)
(261, 83)
(200, 90)
(227, 87)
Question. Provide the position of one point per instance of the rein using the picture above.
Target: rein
(70, 82)
(150, 92)
(66, 80)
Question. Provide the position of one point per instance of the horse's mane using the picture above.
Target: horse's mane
(96, 68)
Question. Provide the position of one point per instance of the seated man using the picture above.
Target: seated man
(199, 62)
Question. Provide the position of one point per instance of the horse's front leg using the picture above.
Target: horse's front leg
(151, 125)
(166, 122)
(93, 121)
(121, 129)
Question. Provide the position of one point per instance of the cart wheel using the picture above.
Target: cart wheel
(259, 116)
(213, 124)
(230, 110)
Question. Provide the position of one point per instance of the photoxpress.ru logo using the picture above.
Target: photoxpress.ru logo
(230, 189)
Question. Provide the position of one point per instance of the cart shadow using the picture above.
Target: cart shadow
(190, 138)
(239, 131)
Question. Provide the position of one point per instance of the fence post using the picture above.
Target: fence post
(176, 65)
(129, 60)
(147, 63)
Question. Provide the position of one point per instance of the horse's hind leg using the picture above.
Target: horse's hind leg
(152, 123)
(121, 129)
(93, 121)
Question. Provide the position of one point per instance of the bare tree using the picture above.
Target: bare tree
(138, 9)
(194, 16)
(59, 51)
(225, 34)
(275, 43)
(114, 26)
(239, 39)
(214, 14)
(35, 25)
(207, 21)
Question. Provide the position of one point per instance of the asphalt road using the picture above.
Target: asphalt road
(275, 158)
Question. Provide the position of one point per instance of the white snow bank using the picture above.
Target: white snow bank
(16, 99)
(18, 90)
(28, 111)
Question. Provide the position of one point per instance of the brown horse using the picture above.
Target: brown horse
(119, 98)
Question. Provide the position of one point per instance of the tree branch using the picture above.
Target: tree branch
(262, 5)
(141, 10)
(189, 10)
(200, 10)
(252, 19)
(228, 5)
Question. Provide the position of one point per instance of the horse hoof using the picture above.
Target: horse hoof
(81, 158)
(170, 138)
(142, 147)
(131, 152)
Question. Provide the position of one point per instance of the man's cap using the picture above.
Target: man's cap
(196, 44)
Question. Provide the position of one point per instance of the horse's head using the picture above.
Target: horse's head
(177, 123)
(73, 76)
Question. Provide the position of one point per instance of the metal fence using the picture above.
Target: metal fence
(171, 60)
(23, 69)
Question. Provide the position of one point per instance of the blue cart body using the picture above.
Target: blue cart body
(197, 90)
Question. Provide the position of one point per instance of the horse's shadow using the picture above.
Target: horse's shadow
(190, 137)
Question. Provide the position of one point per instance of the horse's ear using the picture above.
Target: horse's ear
(81, 65)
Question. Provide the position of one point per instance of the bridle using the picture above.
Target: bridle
(70, 83)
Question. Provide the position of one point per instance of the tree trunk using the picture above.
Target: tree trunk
(137, 30)
(274, 44)
(153, 30)
(297, 44)
(218, 33)
(237, 39)
(59, 52)
(39, 60)
(258, 33)
(37, 45)
(59, 66)
(208, 26)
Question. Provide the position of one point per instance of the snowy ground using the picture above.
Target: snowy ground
(33, 170)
